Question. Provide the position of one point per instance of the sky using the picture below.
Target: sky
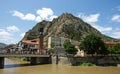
(19, 16)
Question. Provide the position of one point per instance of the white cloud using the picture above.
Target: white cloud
(45, 12)
(7, 33)
(102, 29)
(93, 19)
(4, 34)
(12, 29)
(42, 14)
(89, 19)
(8, 40)
(18, 14)
(116, 35)
(1, 30)
(29, 16)
(116, 18)
(38, 19)
(117, 29)
(52, 17)
(22, 35)
(5, 37)
(22, 16)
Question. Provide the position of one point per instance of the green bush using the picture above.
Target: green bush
(24, 58)
(85, 64)
(51, 51)
(69, 48)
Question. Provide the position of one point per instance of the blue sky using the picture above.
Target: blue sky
(18, 16)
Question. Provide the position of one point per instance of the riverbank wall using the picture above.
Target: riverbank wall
(99, 60)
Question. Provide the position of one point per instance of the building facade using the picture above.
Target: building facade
(55, 41)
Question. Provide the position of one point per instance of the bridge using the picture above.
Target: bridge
(33, 58)
(32, 49)
(23, 55)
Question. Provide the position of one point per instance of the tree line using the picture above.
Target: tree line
(92, 44)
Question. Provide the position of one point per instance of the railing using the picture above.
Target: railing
(23, 55)
(25, 52)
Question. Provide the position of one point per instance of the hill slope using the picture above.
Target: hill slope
(2, 45)
(67, 26)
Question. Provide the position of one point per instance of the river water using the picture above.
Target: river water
(13, 66)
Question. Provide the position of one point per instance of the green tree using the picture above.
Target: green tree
(92, 44)
(52, 44)
(51, 51)
(102, 49)
(111, 51)
(117, 48)
(69, 48)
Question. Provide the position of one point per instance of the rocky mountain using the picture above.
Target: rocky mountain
(67, 26)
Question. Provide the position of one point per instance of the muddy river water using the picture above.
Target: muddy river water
(13, 66)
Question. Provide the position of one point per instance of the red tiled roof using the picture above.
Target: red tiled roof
(30, 42)
(111, 42)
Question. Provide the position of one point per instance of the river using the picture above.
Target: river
(13, 66)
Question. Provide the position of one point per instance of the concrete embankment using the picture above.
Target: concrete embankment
(100, 60)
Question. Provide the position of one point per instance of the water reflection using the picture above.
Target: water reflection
(12, 63)
(20, 67)
(16, 65)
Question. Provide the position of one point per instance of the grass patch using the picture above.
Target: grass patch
(85, 64)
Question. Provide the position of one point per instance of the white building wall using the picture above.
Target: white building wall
(56, 41)
(61, 40)
(49, 42)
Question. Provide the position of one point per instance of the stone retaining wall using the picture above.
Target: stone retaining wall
(97, 60)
